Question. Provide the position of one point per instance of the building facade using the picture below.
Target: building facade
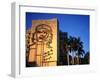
(41, 43)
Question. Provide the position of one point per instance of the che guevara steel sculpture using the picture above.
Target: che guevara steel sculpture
(43, 35)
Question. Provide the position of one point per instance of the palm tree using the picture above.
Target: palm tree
(80, 53)
(71, 50)
(66, 51)
(70, 45)
(78, 47)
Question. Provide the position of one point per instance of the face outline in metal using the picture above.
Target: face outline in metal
(43, 33)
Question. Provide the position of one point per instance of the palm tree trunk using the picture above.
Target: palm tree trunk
(68, 58)
(78, 59)
(73, 58)
(73, 61)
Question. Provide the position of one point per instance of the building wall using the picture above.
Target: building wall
(42, 38)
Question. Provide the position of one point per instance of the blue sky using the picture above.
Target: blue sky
(75, 25)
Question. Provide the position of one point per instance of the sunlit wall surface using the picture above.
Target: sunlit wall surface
(41, 43)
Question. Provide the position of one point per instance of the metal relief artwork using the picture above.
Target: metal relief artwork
(40, 45)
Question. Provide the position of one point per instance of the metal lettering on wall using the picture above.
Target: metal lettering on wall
(41, 44)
